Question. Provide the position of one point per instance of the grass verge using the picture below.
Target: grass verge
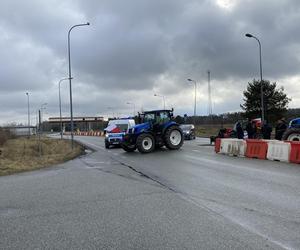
(22, 154)
(207, 130)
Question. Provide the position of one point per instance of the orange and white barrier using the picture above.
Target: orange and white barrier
(295, 152)
(89, 133)
(259, 149)
(256, 149)
(233, 147)
(279, 151)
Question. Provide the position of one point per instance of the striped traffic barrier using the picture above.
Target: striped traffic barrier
(288, 151)
(217, 145)
(233, 147)
(295, 152)
(256, 149)
(278, 150)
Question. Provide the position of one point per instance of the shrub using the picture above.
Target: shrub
(4, 136)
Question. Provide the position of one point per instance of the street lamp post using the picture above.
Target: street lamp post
(41, 116)
(133, 104)
(195, 102)
(163, 97)
(28, 113)
(60, 118)
(261, 78)
(70, 80)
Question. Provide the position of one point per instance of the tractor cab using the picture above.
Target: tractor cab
(156, 117)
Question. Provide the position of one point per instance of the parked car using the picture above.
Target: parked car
(223, 133)
(188, 131)
(116, 130)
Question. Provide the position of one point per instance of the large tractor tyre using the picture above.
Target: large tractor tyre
(145, 143)
(292, 134)
(128, 148)
(173, 138)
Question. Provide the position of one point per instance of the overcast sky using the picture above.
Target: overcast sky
(136, 48)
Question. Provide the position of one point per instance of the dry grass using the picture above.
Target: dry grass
(208, 130)
(22, 154)
(4, 136)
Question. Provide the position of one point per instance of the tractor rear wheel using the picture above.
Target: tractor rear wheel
(145, 143)
(292, 134)
(173, 137)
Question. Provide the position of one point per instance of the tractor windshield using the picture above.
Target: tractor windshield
(149, 117)
(157, 117)
(163, 117)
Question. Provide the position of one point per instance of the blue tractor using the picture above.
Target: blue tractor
(156, 129)
(293, 131)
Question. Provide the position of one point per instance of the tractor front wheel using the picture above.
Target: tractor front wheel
(145, 143)
(173, 138)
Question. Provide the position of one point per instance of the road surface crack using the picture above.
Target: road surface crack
(147, 176)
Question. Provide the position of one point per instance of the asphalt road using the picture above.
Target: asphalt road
(186, 199)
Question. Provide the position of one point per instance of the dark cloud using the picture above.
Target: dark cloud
(136, 48)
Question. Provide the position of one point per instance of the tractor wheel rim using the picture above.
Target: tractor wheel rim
(294, 137)
(147, 143)
(175, 137)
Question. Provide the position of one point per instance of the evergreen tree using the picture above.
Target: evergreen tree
(275, 100)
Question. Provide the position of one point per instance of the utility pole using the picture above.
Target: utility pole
(261, 78)
(28, 113)
(209, 94)
(40, 149)
(195, 102)
(70, 80)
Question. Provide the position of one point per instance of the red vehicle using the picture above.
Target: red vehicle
(223, 133)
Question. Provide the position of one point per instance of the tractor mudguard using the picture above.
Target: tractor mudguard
(169, 124)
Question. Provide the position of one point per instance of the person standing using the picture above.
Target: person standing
(254, 129)
(239, 131)
(249, 129)
(280, 129)
(266, 131)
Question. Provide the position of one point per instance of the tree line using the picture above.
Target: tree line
(275, 102)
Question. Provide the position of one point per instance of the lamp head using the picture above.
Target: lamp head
(248, 35)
